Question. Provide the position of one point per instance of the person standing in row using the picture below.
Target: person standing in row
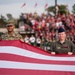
(10, 34)
(62, 46)
(32, 40)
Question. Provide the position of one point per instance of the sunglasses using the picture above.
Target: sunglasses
(10, 26)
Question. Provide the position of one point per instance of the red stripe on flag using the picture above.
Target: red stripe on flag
(22, 45)
(32, 72)
(11, 57)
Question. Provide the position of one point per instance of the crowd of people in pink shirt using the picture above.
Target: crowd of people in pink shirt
(46, 26)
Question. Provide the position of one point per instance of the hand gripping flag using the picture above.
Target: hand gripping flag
(17, 58)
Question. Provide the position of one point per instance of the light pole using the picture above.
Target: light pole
(55, 7)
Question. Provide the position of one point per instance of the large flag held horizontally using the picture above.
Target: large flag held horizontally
(18, 58)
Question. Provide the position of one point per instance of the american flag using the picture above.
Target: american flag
(18, 58)
(35, 5)
(23, 5)
(46, 5)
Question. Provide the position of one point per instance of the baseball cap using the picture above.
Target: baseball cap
(10, 22)
(61, 30)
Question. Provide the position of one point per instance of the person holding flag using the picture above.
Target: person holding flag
(62, 46)
(11, 35)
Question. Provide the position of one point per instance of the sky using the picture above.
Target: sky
(15, 8)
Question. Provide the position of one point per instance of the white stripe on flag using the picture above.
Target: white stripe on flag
(33, 66)
(26, 53)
